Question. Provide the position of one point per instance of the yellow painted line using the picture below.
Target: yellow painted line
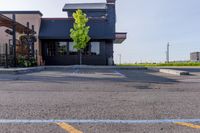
(188, 125)
(68, 128)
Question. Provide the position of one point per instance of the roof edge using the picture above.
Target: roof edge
(71, 18)
(98, 9)
(22, 12)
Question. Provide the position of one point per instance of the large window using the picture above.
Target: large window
(64, 48)
(95, 48)
(56, 48)
(86, 51)
(72, 50)
(61, 48)
(51, 49)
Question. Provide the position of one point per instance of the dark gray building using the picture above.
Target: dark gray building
(57, 46)
(195, 56)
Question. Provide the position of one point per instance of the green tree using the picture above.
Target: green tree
(79, 32)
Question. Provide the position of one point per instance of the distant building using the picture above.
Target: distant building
(195, 56)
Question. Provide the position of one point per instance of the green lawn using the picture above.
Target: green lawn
(163, 64)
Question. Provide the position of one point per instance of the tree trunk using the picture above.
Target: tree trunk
(80, 57)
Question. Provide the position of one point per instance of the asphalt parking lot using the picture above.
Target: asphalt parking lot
(100, 101)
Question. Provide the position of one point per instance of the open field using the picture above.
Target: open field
(164, 64)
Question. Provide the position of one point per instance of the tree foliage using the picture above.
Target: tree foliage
(80, 30)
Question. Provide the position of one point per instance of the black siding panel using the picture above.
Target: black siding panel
(60, 29)
(74, 60)
(106, 51)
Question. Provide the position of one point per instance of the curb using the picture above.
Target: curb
(21, 70)
(170, 71)
(41, 68)
(95, 67)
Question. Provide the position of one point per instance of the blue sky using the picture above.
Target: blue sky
(150, 25)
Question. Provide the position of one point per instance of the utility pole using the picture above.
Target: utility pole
(167, 53)
(14, 39)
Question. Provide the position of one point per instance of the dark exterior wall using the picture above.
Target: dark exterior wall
(112, 17)
(106, 51)
(60, 29)
(89, 13)
(109, 49)
(74, 60)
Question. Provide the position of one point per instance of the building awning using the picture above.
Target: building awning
(7, 22)
(60, 29)
(120, 37)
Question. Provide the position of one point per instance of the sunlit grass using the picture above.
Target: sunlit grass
(162, 64)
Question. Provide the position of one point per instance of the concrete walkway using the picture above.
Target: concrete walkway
(21, 70)
(168, 70)
(41, 68)
(96, 67)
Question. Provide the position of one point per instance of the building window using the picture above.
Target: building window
(72, 50)
(86, 51)
(51, 49)
(92, 49)
(61, 48)
(95, 48)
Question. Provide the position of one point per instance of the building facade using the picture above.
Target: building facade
(54, 45)
(195, 56)
(23, 18)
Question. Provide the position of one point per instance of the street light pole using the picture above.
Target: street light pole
(167, 53)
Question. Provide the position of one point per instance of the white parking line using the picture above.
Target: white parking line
(120, 74)
(76, 71)
(95, 121)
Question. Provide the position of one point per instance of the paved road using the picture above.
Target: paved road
(59, 101)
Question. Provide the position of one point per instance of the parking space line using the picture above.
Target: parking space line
(120, 74)
(68, 128)
(76, 71)
(96, 121)
(188, 125)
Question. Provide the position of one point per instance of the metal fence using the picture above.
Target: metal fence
(6, 55)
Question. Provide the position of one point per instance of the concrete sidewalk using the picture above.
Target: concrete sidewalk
(21, 70)
(41, 68)
(95, 67)
(169, 70)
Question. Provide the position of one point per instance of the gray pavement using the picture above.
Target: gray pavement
(102, 94)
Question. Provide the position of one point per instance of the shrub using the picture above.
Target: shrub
(23, 61)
